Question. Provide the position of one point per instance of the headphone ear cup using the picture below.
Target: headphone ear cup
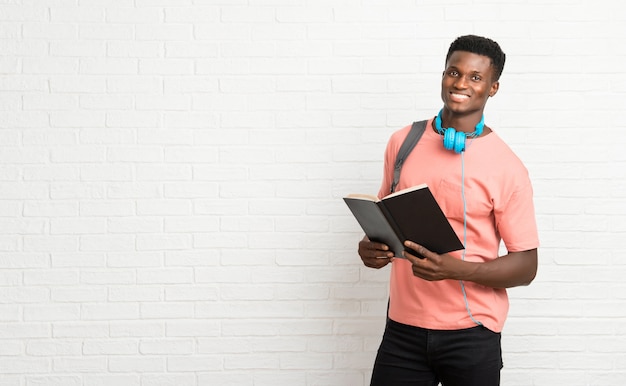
(459, 142)
(448, 138)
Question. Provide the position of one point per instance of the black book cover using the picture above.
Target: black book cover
(409, 214)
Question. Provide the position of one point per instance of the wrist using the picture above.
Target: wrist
(467, 271)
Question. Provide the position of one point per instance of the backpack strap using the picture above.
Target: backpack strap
(417, 129)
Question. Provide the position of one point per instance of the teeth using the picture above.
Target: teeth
(460, 95)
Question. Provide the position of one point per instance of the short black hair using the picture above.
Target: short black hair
(481, 46)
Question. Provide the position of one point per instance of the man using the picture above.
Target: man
(446, 311)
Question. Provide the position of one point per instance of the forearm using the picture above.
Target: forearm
(511, 270)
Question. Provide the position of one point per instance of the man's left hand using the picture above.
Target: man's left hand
(433, 266)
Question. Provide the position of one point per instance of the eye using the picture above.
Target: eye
(476, 78)
(453, 73)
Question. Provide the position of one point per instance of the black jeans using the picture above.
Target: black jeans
(420, 357)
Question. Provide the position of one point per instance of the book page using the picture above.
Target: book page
(403, 191)
(361, 196)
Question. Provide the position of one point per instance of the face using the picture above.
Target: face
(467, 82)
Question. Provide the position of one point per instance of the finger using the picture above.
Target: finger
(413, 259)
(380, 253)
(376, 262)
(420, 249)
(379, 246)
(387, 255)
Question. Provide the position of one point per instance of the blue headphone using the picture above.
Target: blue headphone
(455, 140)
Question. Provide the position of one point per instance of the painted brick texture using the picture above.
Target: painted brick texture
(171, 175)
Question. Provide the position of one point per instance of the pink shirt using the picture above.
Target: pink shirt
(499, 199)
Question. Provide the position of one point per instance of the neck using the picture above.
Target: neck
(468, 124)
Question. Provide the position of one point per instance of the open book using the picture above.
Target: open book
(409, 214)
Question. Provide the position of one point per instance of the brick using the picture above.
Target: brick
(221, 31)
(172, 311)
(165, 32)
(222, 240)
(51, 277)
(169, 380)
(50, 243)
(115, 243)
(80, 330)
(11, 30)
(132, 119)
(133, 294)
(111, 276)
(133, 190)
(197, 14)
(63, 380)
(80, 294)
(163, 172)
(163, 207)
(23, 13)
(193, 328)
(112, 379)
(110, 31)
(137, 84)
(194, 364)
(240, 309)
(165, 102)
(163, 242)
(197, 293)
(78, 260)
(186, 225)
(9, 313)
(50, 102)
(108, 66)
(77, 120)
(239, 14)
(165, 276)
(106, 311)
(11, 226)
(24, 47)
(50, 66)
(110, 208)
(78, 84)
(24, 365)
(23, 330)
(134, 15)
(167, 346)
(49, 313)
(77, 48)
(136, 329)
(11, 101)
(22, 120)
(132, 49)
(134, 225)
(192, 258)
(105, 173)
(109, 136)
(240, 378)
(110, 347)
(293, 32)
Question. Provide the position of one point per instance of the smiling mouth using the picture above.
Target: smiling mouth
(458, 97)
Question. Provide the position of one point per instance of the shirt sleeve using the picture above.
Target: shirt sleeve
(516, 223)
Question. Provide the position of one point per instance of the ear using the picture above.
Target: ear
(494, 88)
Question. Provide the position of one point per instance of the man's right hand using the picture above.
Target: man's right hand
(373, 254)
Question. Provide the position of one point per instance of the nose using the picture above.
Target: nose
(460, 82)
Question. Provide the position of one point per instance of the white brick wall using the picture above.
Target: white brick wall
(171, 175)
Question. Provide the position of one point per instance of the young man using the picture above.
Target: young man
(446, 312)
